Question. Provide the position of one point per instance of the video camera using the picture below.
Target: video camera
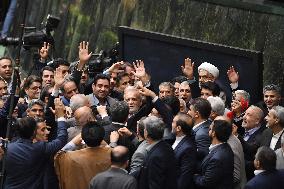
(33, 38)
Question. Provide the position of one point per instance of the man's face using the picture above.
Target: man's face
(175, 128)
(3, 88)
(271, 99)
(192, 112)
(123, 83)
(129, 70)
(65, 69)
(250, 119)
(271, 119)
(34, 90)
(6, 69)
(47, 78)
(177, 89)
(42, 132)
(205, 76)
(113, 77)
(205, 93)
(101, 88)
(185, 92)
(70, 89)
(133, 100)
(165, 91)
(35, 111)
(84, 77)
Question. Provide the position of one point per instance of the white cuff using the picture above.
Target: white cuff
(61, 119)
(234, 85)
(155, 99)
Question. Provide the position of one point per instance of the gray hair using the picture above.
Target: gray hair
(154, 127)
(259, 112)
(35, 102)
(217, 105)
(78, 101)
(272, 87)
(185, 83)
(244, 94)
(167, 84)
(279, 112)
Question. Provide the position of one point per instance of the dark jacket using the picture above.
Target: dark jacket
(114, 178)
(202, 139)
(266, 137)
(217, 169)
(185, 154)
(267, 180)
(26, 161)
(159, 169)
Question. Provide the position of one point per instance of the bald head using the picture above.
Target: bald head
(224, 118)
(120, 156)
(252, 118)
(83, 115)
(78, 101)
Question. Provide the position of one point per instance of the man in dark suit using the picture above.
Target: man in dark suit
(250, 142)
(271, 137)
(159, 169)
(266, 174)
(116, 177)
(218, 166)
(118, 112)
(26, 161)
(200, 110)
(185, 150)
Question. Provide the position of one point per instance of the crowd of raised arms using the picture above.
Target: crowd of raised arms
(112, 131)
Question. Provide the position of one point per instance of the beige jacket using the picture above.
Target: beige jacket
(75, 169)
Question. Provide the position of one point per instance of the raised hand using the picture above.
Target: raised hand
(187, 69)
(44, 51)
(84, 54)
(59, 108)
(140, 71)
(233, 76)
(116, 67)
(146, 92)
(58, 77)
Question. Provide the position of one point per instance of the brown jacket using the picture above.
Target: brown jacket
(75, 169)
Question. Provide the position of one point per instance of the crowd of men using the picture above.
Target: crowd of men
(71, 131)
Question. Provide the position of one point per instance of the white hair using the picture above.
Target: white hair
(217, 105)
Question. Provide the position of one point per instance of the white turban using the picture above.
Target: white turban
(209, 68)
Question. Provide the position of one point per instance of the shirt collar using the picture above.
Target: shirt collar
(197, 125)
(117, 123)
(251, 131)
(213, 146)
(278, 134)
(148, 148)
(256, 172)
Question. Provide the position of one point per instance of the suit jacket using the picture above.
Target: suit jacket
(250, 147)
(280, 159)
(266, 137)
(217, 169)
(26, 161)
(95, 102)
(114, 178)
(202, 139)
(75, 169)
(267, 180)
(159, 169)
(239, 162)
(123, 140)
(138, 157)
(185, 154)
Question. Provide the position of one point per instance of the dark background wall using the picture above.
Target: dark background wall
(97, 20)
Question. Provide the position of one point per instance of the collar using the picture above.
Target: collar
(178, 139)
(97, 102)
(251, 131)
(278, 134)
(213, 146)
(256, 172)
(197, 125)
(117, 123)
(148, 148)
